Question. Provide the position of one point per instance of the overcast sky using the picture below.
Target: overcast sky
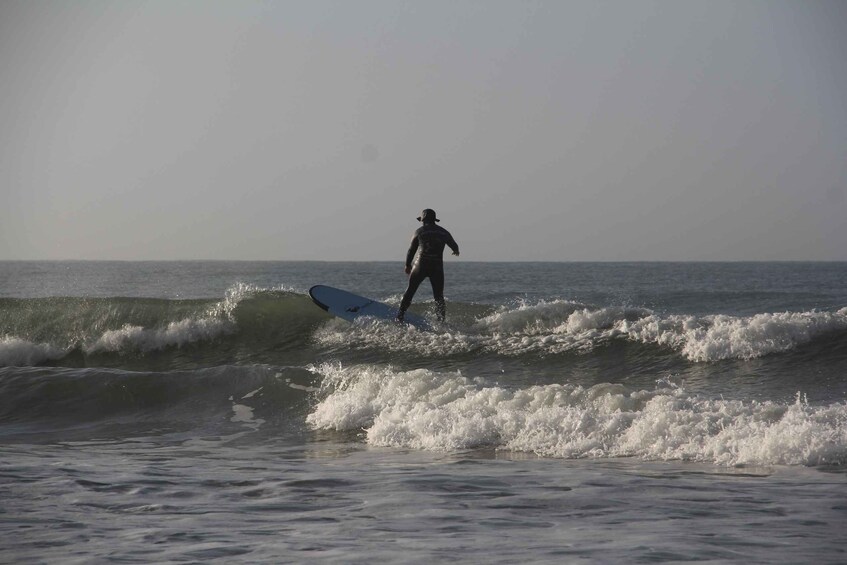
(561, 130)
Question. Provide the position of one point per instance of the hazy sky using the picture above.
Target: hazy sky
(561, 130)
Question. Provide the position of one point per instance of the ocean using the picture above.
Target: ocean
(565, 412)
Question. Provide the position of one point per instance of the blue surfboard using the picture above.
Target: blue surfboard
(349, 306)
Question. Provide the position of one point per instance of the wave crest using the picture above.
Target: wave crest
(174, 334)
(15, 351)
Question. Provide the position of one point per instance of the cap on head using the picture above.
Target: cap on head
(428, 216)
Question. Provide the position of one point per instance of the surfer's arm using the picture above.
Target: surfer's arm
(453, 245)
(410, 255)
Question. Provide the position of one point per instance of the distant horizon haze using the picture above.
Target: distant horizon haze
(539, 131)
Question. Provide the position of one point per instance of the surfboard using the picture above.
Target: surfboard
(349, 306)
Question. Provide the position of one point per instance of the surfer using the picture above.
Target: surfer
(428, 243)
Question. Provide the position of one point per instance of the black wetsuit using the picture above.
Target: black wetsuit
(430, 239)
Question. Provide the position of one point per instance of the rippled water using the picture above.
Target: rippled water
(168, 412)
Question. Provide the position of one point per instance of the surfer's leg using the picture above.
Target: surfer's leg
(436, 278)
(416, 277)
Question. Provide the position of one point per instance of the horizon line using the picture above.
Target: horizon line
(401, 261)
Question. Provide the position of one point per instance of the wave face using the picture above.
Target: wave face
(60, 401)
(113, 331)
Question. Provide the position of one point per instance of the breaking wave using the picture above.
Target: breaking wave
(549, 328)
(255, 324)
(46, 330)
(427, 410)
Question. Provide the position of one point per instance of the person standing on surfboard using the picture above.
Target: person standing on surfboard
(428, 243)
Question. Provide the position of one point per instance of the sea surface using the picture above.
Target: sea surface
(565, 412)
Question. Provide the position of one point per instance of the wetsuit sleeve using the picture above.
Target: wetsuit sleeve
(452, 243)
(413, 248)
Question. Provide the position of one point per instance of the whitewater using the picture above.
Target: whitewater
(605, 412)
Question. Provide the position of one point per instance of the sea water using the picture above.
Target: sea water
(599, 412)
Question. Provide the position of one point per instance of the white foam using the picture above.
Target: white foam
(243, 414)
(529, 318)
(557, 327)
(422, 409)
(17, 352)
(217, 321)
(366, 334)
(177, 334)
(712, 338)
(541, 328)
